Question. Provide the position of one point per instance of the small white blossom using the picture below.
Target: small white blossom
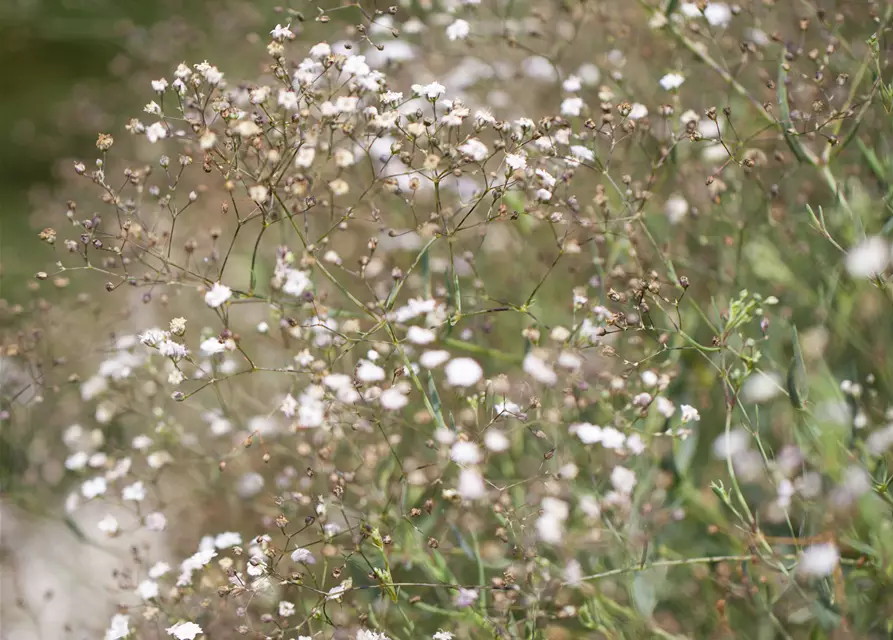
(155, 132)
(280, 33)
(459, 30)
(119, 627)
(303, 556)
(515, 161)
(819, 560)
(869, 258)
(184, 631)
(218, 294)
(464, 452)
(109, 525)
(431, 91)
(537, 368)
(320, 50)
(671, 81)
(463, 372)
(689, 414)
(471, 484)
(623, 480)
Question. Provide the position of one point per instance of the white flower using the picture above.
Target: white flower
(159, 569)
(466, 597)
(665, 407)
(159, 85)
(296, 282)
(420, 335)
(676, 208)
(433, 359)
(761, 386)
(572, 84)
(463, 372)
(258, 193)
(303, 556)
(119, 627)
(218, 294)
(147, 589)
(288, 100)
(286, 608)
(464, 452)
(671, 81)
(431, 91)
(320, 50)
(459, 30)
(109, 525)
(442, 635)
(369, 372)
(289, 406)
(172, 349)
(536, 367)
(184, 630)
(392, 399)
(868, 258)
(227, 539)
(94, 487)
(155, 132)
(819, 560)
(135, 492)
(356, 66)
(649, 378)
(471, 484)
(475, 149)
(304, 157)
(156, 521)
(638, 111)
(515, 161)
(587, 433)
(212, 346)
(718, 14)
(623, 480)
(495, 440)
(689, 414)
(572, 106)
(281, 33)
(549, 528)
(731, 444)
(580, 153)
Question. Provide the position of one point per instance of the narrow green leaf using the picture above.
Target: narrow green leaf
(787, 125)
(797, 383)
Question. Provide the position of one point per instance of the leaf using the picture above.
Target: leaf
(384, 575)
(684, 453)
(644, 593)
(787, 125)
(435, 401)
(797, 383)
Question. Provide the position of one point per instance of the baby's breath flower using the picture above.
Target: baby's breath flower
(218, 294)
(458, 30)
(280, 33)
(819, 560)
(119, 627)
(689, 414)
(671, 81)
(430, 91)
(184, 631)
(463, 372)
